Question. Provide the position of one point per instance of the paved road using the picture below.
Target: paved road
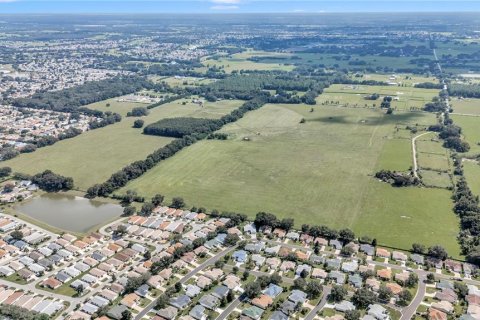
(409, 311)
(235, 303)
(187, 277)
(320, 305)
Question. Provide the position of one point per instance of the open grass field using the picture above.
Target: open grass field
(186, 81)
(408, 80)
(472, 173)
(466, 106)
(316, 172)
(470, 129)
(354, 95)
(113, 105)
(239, 62)
(93, 156)
(431, 154)
(396, 155)
(436, 179)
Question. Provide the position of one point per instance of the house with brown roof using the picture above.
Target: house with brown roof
(263, 301)
(394, 287)
(385, 274)
(51, 283)
(383, 253)
(130, 300)
(434, 314)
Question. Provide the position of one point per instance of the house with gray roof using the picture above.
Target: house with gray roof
(297, 297)
(192, 290)
(378, 312)
(168, 313)
(209, 301)
(350, 266)
(116, 311)
(303, 267)
(355, 280)
(180, 302)
(336, 244)
(255, 247)
(240, 256)
(273, 290)
(368, 249)
(198, 312)
(278, 315)
(253, 312)
(220, 292)
(337, 276)
(344, 306)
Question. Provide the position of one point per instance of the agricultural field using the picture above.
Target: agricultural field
(259, 168)
(113, 105)
(470, 131)
(186, 81)
(466, 106)
(93, 156)
(404, 98)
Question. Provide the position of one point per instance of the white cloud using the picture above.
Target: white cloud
(224, 8)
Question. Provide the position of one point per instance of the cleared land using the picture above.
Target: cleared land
(317, 172)
(436, 179)
(93, 156)
(354, 96)
(237, 62)
(403, 79)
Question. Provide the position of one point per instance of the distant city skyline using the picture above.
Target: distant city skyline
(234, 6)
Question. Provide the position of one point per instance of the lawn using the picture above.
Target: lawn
(396, 155)
(316, 172)
(436, 179)
(93, 156)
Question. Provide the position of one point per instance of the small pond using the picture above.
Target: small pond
(69, 212)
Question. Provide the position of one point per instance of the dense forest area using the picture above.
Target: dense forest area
(180, 127)
(463, 90)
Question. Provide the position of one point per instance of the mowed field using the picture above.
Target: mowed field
(354, 96)
(466, 106)
(470, 129)
(318, 172)
(472, 173)
(94, 155)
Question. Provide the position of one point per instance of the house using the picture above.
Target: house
(378, 312)
(417, 258)
(383, 253)
(316, 259)
(255, 247)
(180, 302)
(453, 266)
(253, 312)
(168, 313)
(130, 300)
(203, 282)
(337, 245)
(288, 307)
(63, 276)
(318, 273)
(350, 266)
(51, 283)
(385, 274)
(355, 280)
(394, 287)
(240, 256)
(273, 290)
(272, 251)
(198, 312)
(116, 312)
(434, 314)
(273, 263)
(298, 297)
(338, 276)
(292, 235)
(26, 275)
(447, 295)
(344, 306)
(232, 282)
(278, 315)
(305, 268)
(250, 228)
(259, 260)
(220, 292)
(192, 290)
(443, 306)
(373, 284)
(263, 301)
(6, 271)
(99, 301)
(287, 265)
(333, 264)
(399, 256)
(142, 291)
(209, 301)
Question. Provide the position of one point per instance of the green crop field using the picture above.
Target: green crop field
(316, 172)
(466, 106)
(354, 95)
(93, 156)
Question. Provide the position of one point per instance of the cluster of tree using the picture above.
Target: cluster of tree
(138, 112)
(463, 90)
(5, 172)
(437, 105)
(137, 168)
(107, 119)
(374, 96)
(138, 123)
(19, 313)
(51, 182)
(70, 99)
(217, 136)
(167, 100)
(386, 102)
(180, 127)
(397, 179)
(451, 135)
(429, 85)
(134, 283)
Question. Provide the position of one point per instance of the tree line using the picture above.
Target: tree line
(180, 127)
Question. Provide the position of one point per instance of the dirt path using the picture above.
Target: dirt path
(414, 153)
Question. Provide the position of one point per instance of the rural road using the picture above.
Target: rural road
(311, 315)
(210, 261)
(414, 153)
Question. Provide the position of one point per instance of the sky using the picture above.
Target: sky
(235, 6)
